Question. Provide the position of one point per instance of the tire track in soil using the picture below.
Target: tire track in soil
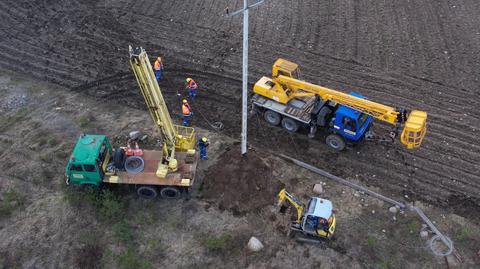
(345, 46)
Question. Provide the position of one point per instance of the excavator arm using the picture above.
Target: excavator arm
(284, 86)
(283, 196)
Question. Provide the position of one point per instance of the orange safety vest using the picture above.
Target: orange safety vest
(192, 85)
(157, 65)
(186, 109)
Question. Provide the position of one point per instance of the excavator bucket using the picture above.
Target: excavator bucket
(414, 130)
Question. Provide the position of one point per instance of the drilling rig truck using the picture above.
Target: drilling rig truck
(168, 172)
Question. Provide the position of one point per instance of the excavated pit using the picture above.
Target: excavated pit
(241, 184)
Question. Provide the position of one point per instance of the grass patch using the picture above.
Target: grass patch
(85, 120)
(12, 200)
(386, 264)
(123, 232)
(218, 243)
(78, 197)
(88, 237)
(46, 158)
(414, 226)
(62, 153)
(10, 120)
(372, 241)
(109, 207)
(463, 234)
(52, 140)
(131, 260)
(156, 247)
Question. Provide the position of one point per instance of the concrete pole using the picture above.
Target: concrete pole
(245, 77)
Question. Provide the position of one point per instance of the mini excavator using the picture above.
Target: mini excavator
(316, 223)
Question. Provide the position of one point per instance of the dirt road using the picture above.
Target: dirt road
(413, 54)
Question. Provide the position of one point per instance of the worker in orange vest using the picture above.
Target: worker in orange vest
(158, 68)
(191, 87)
(187, 112)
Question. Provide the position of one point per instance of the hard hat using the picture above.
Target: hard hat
(189, 79)
(184, 101)
(204, 139)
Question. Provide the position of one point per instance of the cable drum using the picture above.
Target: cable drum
(134, 164)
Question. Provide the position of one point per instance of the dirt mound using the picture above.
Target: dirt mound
(240, 184)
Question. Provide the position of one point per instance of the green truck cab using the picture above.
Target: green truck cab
(89, 160)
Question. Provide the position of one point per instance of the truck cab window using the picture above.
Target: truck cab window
(89, 168)
(362, 119)
(349, 124)
(76, 167)
(103, 151)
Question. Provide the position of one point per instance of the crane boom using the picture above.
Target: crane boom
(378, 111)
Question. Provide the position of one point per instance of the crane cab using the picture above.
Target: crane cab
(319, 219)
(89, 160)
(351, 124)
(285, 68)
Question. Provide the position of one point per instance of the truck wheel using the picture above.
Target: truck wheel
(272, 117)
(147, 192)
(336, 142)
(170, 193)
(134, 164)
(289, 125)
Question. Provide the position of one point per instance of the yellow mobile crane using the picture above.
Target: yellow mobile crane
(318, 221)
(168, 172)
(286, 99)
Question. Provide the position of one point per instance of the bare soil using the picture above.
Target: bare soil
(413, 54)
(242, 184)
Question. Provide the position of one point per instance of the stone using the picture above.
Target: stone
(254, 244)
(393, 210)
(318, 188)
(423, 234)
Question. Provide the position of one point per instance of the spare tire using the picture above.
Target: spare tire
(134, 164)
(119, 158)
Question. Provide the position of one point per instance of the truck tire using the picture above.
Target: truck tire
(335, 141)
(147, 192)
(134, 164)
(272, 117)
(119, 158)
(289, 125)
(170, 193)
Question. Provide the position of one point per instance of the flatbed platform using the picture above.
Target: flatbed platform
(184, 177)
(298, 108)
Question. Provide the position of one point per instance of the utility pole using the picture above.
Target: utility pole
(245, 68)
